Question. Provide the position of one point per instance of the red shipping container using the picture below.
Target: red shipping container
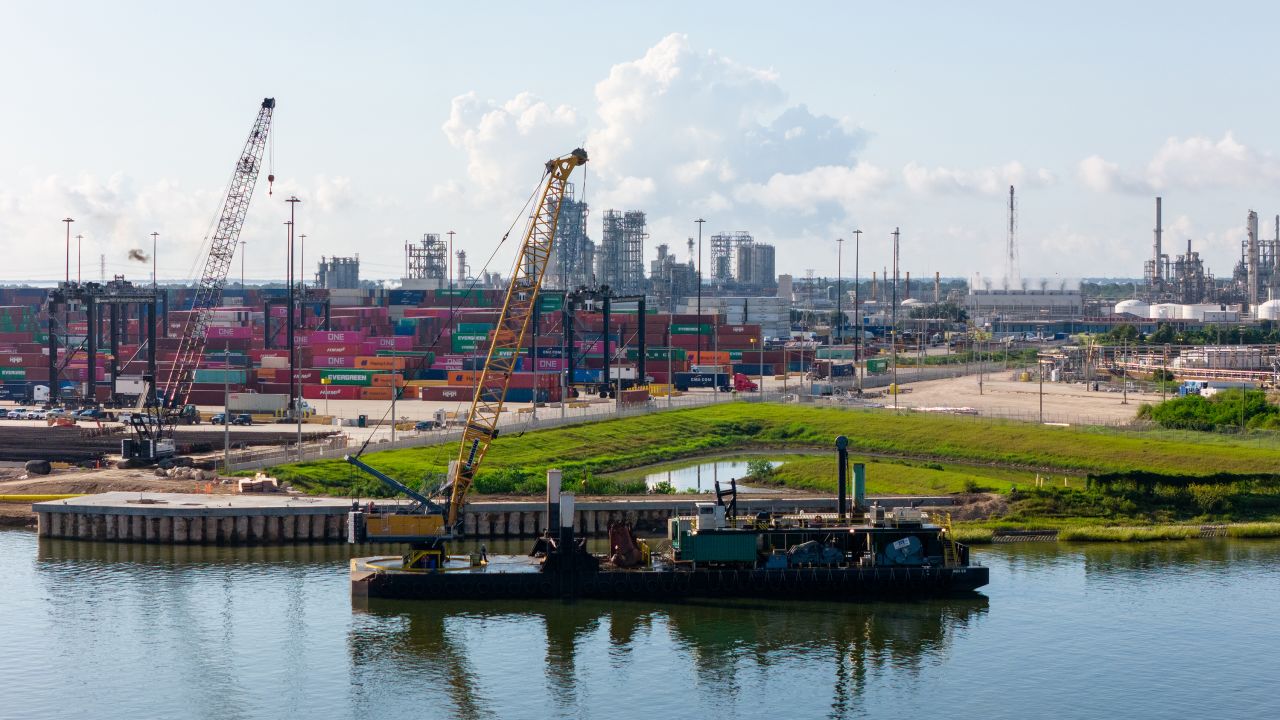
(336, 348)
(331, 392)
(447, 393)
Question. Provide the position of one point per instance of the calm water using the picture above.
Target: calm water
(703, 476)
(1153, 631)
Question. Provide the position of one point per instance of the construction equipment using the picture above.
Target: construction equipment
(428, 524)
(222, 247)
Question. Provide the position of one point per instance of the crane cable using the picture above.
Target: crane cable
(458, 309)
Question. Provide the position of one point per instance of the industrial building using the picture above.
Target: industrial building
(338, 273)
(620, 260)
(1036, 300)
(573, 255)
(426, 264)
(670, 280)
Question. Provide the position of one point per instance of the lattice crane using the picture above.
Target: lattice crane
(508, 336)
(427, 524)
(222, 247)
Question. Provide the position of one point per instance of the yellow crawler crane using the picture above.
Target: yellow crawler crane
(427, 524)
(508, 335)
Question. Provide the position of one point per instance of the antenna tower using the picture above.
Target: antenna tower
(1011, 258)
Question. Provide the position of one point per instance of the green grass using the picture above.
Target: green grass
(1087, 533)
(1254, 530)
(971, 535)
(1008, 448)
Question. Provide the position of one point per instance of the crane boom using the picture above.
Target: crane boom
(508, 335)
(222, 248)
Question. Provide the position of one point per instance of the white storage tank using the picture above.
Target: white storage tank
(1134, 307)
(1269, 310)
(1165, 311)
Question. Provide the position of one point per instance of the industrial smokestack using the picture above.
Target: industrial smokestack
(908, 295)
(1158, 274)
(1251, 291)
(875, 286)
(937, 287)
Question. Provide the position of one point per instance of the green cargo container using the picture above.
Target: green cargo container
(737, 354)
(474, 328)
(876, 366)
(703, 329)
(551, 303)
(232, 377)
(660, 354)
(837, 353)
(12, 374)
(346, 376)
(733, 546)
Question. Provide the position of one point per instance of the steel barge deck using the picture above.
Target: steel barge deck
(518, 577)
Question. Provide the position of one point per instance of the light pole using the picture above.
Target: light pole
(839, 290)
(1040, 366)
(226, 409)
(448, 261)
(302, 262)
(893, 333)
(68, 221)
(79, 238)
(154, 235)
(293, 371)
(699, 221)
(242, 252)
(857, 309)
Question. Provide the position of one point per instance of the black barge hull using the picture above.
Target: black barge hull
(850, 584)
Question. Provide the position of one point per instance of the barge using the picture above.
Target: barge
(894, 552)
(875, 560)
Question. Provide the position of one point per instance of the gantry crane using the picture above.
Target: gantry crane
(222, 248)
(428, 524)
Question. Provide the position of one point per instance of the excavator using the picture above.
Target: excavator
(428, 524)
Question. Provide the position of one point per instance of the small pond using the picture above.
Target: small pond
(702, 476)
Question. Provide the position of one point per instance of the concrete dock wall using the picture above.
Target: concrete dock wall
(245, 519)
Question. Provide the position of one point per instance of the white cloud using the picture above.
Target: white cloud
(1192, 163)
(1199, 162)
(987, 181)
(504, 144)
(808, 191)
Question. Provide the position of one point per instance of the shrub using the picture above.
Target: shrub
(760, 469)
(663, 487)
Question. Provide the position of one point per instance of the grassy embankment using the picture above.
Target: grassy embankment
(1167, 478)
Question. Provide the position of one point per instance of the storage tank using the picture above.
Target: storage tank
(1134, 307)
(1269, 310)
(1165, 311)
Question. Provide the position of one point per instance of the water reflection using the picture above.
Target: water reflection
(703, 476)
(724, 646)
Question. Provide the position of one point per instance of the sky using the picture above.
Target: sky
(799, 125)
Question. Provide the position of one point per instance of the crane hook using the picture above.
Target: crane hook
(271, 180)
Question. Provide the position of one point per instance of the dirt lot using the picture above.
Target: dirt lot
(60, 482)
(1002, 397)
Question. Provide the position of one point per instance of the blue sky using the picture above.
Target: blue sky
(798, 125)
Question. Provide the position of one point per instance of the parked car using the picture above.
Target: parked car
(242, 419)
(34, 415)
(90, 413)
(424, 425)
(16, 414)
(218, 419)
(57, 412)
